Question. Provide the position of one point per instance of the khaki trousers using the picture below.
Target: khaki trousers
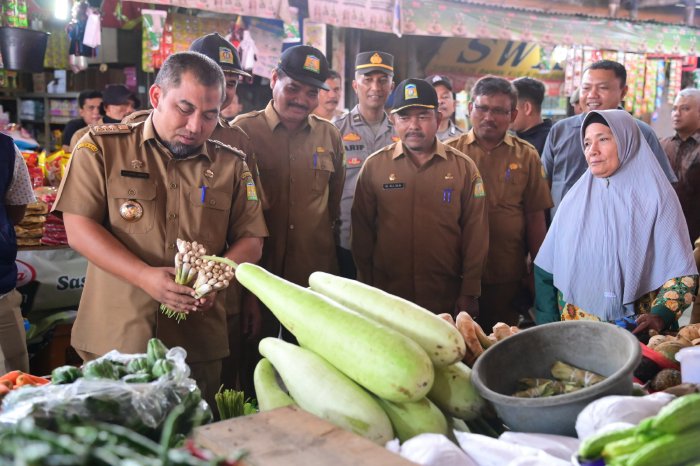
(13, 340)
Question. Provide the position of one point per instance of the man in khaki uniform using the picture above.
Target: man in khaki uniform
(301, 166)
(365, 129)
(300, 161)
(131, 191)
(517, 194)
(419, 220)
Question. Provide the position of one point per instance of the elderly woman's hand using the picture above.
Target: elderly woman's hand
(646, 322)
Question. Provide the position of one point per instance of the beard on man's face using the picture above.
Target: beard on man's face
(180, 150)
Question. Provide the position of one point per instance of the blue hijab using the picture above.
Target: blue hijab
(615, 239)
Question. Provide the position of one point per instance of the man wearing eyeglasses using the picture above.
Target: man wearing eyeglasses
(517, 194)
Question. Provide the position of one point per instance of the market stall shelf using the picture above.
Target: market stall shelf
(292, 437)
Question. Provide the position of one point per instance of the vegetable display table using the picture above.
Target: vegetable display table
(292, 437)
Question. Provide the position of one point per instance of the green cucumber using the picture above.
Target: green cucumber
(267, 390)
(415, 418)
(385, 362)
(442, 341)
(454, 392)
(324, 391)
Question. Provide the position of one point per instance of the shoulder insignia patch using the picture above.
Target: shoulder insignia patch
(88, 145)
(479, 188)
(117, 128)
(356, 117)
(250, 191)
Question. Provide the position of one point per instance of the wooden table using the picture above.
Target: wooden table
(292, 437)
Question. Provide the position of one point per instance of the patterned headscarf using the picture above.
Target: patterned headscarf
(615, 239)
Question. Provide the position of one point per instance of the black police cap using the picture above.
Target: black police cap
(116, 94)
(414, 93)
(305, 64)
(221, 51)
(366, 62)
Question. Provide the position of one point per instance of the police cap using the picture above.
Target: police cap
(366, 62)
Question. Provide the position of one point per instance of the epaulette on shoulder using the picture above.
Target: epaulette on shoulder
(235, 150)
(116, 128)
(137, 116)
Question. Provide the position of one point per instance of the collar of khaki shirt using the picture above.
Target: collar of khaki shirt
(471, 139)
(149, 132)
(273, 118)
(438, 149)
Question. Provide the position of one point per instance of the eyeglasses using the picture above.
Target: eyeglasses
(495, 111)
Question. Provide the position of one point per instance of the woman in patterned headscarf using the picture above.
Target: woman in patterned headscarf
(618, 249)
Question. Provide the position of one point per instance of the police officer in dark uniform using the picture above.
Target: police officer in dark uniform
(365, 129)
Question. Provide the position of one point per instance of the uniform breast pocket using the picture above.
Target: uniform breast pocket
(515, 185)
(132, 204)
(322, 169)
(212, 215)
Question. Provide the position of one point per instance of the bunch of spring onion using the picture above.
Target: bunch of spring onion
(209, 273)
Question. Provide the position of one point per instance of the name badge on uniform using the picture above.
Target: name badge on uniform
(132, 174)
(394, 185)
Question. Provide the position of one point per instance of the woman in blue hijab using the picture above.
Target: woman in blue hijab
(618, 249)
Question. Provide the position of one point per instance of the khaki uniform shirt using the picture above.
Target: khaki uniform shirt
(359, 142)
(115, 164)
(421, 233)
(302, 174)
(225, 132)
(515, 184)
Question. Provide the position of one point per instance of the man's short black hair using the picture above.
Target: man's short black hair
(491, 85)
(88, 94)
(205, 70)
(333, 74)
(530, 89)
(615, 67)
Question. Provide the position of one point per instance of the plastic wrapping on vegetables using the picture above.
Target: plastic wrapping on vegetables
(97, 396)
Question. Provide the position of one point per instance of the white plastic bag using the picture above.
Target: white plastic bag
(93, 31)
(431, 450)
(555, 445)
(487, 451)
(629, 409)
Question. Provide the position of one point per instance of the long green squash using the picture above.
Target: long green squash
(385, 362)
(415, 418)
(267, 390)
(323, 390)
(442, 341)
(454, 392)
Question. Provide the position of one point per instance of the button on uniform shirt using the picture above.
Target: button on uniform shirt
(302, 174)
(208, 197)
(684, 157)
(564, 161)
(451, 132)
(421, 233)
(515, 185)
(359, 141)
